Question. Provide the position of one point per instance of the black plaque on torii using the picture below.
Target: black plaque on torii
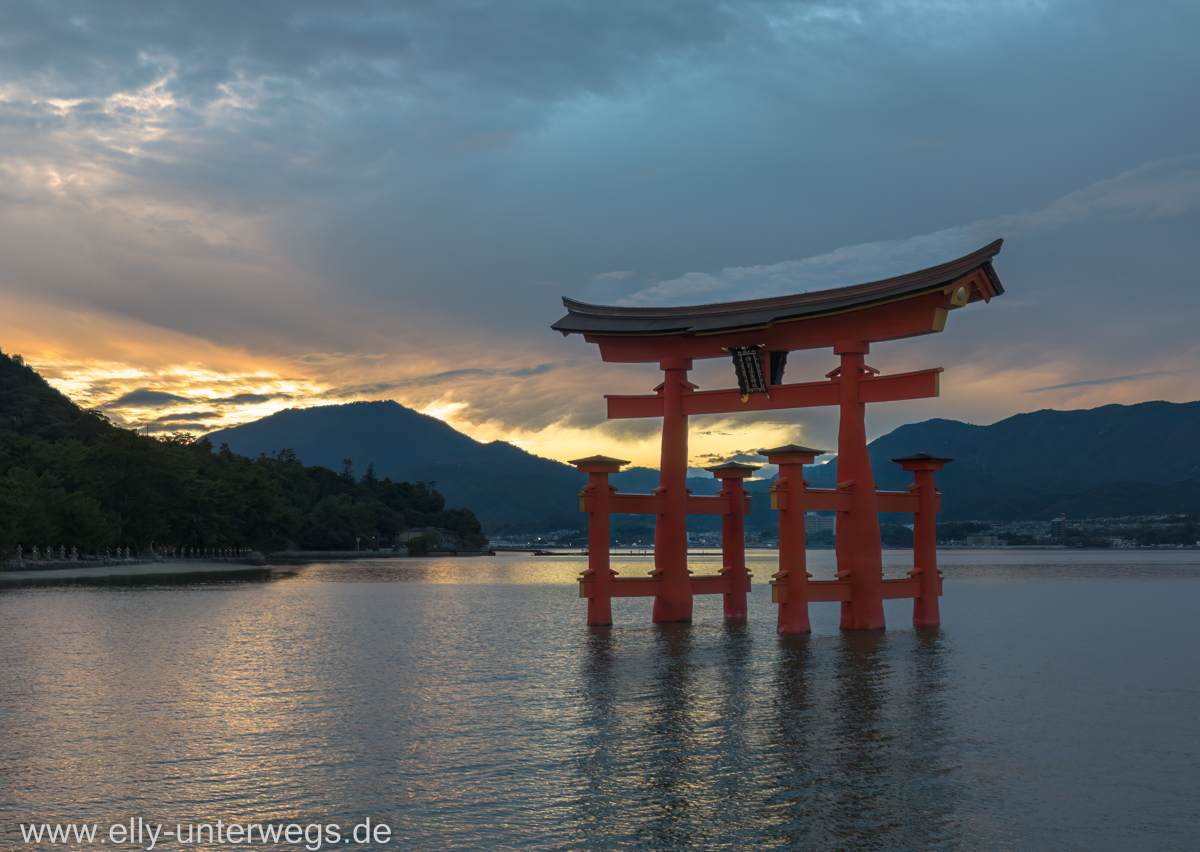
(748, 365)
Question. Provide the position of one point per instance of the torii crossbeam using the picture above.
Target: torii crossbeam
(759, 334)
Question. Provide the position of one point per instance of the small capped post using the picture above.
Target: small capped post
(733, 534)
(593, 499)
(789, 586)
(923, 467)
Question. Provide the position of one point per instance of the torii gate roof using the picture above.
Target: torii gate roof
(727, 317)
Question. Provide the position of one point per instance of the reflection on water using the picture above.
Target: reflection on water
(466, 705)
(843, 745)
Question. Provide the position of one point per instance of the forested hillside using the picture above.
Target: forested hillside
(510, 489)
(1141, 459)
(69, 477)
(1115, 460)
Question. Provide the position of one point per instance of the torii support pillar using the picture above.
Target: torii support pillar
(733, 535)
(857, 541)
(925, 605)
(789, 588)
(674, 599)
(599, 609)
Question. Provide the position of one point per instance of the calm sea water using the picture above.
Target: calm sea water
(464, 704)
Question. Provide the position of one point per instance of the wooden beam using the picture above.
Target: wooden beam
(711, 584)
(921, 384)
(917, 385)
(826, 500)
(894, 589)
(647, 587)
(815, 500)
(828, 590)
(897, 501)
(655, 504)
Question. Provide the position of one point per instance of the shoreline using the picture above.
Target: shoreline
(179, 570)
(285, 560)
(118, 570)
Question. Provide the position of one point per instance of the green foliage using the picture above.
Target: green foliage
(895, 535)
(421, 545)
(626, 530)
(820, 539)
(1148, 536)
(959, 532)
(68, 477)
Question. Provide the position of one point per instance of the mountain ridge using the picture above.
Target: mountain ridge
(1047, 452)
(1032, 461)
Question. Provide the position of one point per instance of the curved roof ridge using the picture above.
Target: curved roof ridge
(863, 293)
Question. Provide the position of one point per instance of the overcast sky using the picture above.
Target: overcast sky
(209, 211)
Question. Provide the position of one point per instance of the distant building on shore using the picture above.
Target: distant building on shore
(983, 541)
(815, 522)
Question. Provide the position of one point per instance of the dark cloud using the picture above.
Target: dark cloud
(381, 389)
(1111, 380)
(145, 398)
(535, 49)
(250, 398)
(188, 417)
(538, 370)
(443, 379)
(743, 456)
(161, 426)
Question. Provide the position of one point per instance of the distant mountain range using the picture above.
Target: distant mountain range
(1100, 462)
(502, 483)
(1108, 461)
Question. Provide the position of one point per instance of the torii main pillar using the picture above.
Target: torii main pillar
(759, 334)
(674, 599)
(856, 537)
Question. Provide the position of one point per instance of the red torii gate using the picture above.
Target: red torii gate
(759, 334)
